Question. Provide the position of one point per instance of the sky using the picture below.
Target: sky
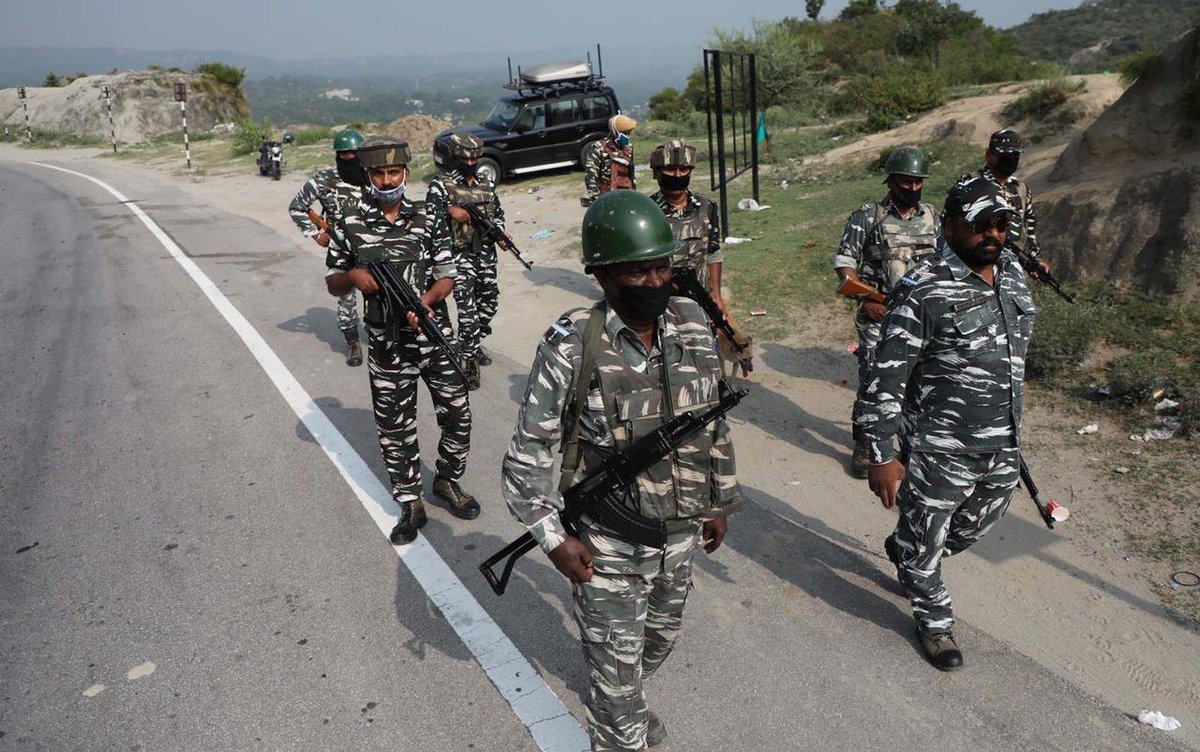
(309, 29)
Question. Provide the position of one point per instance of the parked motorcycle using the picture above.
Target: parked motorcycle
(270, 156)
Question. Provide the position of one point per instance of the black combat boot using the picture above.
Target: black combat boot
(656, 731)
(484, 358)
(412, 518)
(893, 553)
(462, 504)
(353, 348)
(941, 650)
(472, 370)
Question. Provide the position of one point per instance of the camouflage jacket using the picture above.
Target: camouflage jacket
(951, 364)
(697, 227)
(1022, 230)
(417, 244)
(598, 171)
(882, 246)
(323, 186)
(451, 188)
(626, 399)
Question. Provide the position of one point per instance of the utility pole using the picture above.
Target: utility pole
(181, 98)
(112, 128)
(25, 106)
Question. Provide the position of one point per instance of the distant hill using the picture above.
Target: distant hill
(1099, 32)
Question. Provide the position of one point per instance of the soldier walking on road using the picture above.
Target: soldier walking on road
(882, 241)
(322, 187)
(951, 368)
(378, 223)
(1001, 160)
(610, 161)
(476, 292)
(600, 380)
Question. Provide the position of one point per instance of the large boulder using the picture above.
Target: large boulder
(143, 104)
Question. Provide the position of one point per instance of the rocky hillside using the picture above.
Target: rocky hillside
(143, 105)
(1123, 199)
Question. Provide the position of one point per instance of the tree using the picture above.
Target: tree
(669, 104)
(928, 24)
(857, 8)
(52, 80)
(813, 8)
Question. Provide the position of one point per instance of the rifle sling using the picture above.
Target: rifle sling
(583, 377)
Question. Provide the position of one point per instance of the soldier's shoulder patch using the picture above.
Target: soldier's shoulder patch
(565, 326)
(867, 207)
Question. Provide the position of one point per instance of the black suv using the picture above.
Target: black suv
(557, 112)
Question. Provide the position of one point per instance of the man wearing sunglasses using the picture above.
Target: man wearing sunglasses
(950, 369)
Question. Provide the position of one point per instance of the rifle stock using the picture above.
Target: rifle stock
(859, 290)
(1050, 511)
(593, 494)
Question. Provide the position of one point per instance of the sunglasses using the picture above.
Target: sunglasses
(995, 222)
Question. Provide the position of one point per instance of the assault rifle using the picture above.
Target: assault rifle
(856, 288)
(599, 494)
(491, 232)
(1050, 511)
(687, 284)
(398, 298)
(1037, 272)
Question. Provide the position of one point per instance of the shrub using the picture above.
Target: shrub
(669, 104)
(1139, 376)
(1139, 65)
(1062, 336)
(1042, 99)
(309, 136)
(891, 95)
(249, 135)
(226, 74)
(1189, 101)
(52, 80)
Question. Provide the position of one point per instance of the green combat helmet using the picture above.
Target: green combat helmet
(673, 154)
(907, 160)
(465, 146)
(383, 151)
(625, 226)
(347, 140)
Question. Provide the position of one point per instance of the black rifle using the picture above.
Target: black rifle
(491, 232)
(598, 495)
(1037, 272)
(1032, 488)
(397, 298)
(687, 284)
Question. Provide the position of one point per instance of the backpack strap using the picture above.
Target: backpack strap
(592, 334)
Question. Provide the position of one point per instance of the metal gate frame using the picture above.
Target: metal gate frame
(734, 79)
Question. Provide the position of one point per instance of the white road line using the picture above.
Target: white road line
(552, 726)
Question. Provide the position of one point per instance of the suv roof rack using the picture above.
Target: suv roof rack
(550, 78)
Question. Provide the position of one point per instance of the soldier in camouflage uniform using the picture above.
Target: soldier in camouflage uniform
(951, 367)
(694, 219)
(1001, 160)
(882, 241)
(601, 379)
(476, 294)
(322, 187)
(609, 164)
(379, 224)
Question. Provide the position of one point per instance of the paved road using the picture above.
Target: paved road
(182, 567)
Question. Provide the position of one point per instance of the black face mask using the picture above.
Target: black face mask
(672, 183)
(645, 303)
(1007, 164)
(349, 171)
(466, 170)
(906, 198)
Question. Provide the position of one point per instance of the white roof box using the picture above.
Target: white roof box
(553, 73)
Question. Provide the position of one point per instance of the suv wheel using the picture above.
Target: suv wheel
(487, 168)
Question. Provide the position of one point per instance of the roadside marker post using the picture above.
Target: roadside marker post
(181, 98)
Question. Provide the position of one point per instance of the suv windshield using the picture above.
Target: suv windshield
(503, 115)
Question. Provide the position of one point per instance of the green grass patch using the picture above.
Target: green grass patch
(1042, 99)
(45, 139)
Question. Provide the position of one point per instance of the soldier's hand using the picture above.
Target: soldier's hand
(573, 559)
(322, 239)
(459, 214)
(884, 480)
(1045, 267)
(714, 534)
(874, 311)
(363, 280)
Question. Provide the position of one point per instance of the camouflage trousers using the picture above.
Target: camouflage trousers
(869, 334)
(347, 311)
(629, 616)
(476, 296)
(395, 366)
(947, 502)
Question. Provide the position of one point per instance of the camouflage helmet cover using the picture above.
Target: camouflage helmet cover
(383, 151)
(625, 225)
(673, 154)
(907, 160)
(465, 145)
(347, 140)
(1005, 141)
